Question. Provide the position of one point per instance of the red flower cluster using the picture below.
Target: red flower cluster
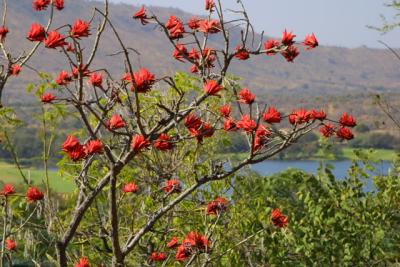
(8, 189)
(63, 78)
(246, 97)
(272, 115)
(39, 5)
(33, 194)
(96, 79)
(217, 206)
(210, 5)
(197, 128)
(11, 245)
(80, 29)
(47, 98)
(83, 262)
(157, 256)
(36, 33)
(139, 142)
(172, 186)
(130, 188)
(54, 39)
(242, 53)
(141, 15)
(77, 152)
(175, 27)
(143, 79)
(278, 219)
(163, 142)
(15, 69)
(192, 243)
(342, 132)
(116, 122)
(3, 33)
(212, 87)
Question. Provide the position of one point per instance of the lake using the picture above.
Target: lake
(270, 167)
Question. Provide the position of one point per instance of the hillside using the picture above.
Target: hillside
(333, 71)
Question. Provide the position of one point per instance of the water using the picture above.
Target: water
(270, 167)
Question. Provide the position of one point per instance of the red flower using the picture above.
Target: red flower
(143, 80)
(209, 26)
(212, 87)
(36, 33)
(246, 123)
(242, 53)
(229, 125)
(183, 253)
(300, 116)
(217, 206)
(327, 130)
(15, 69)
(318, 115)
(246, 97)
(172, 22)
(93, 147)
(158, 256)
(63, 78)
(116, 122)
(83, 262)
(141, 14)
(210, 5)
(33, 194)
(130, 188)
(139, 142)
(180, 52)
(196, 239)
(172, 186)
(204, 131)
(3, 33)
(177, 31)
(347, 120)
(163, 143)
(54, 40)
(193, 23)
(70, 48)
(175, 27)
(10, 245)
(194, 69)
(58, 4)
(278, 219)
(262, 131)
(8, 189)
(77, 153)
(290, 53)
(96, 79)
(310, 41)
(344, 133)
(287, 38)
(173, 243)
(70, 143)
(194, 55)
(80, 29)
(225, 111)
(272, 116)
(271, 46)
(39, 5)
(209, 56)
(47, 98)
(83, 69)
(192, 121)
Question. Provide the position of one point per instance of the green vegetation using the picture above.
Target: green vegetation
(10, 174)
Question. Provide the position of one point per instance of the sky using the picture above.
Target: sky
(335, 22)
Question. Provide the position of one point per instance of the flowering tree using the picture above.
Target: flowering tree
(148, 150)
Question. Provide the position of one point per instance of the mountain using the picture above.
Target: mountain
(337, 72)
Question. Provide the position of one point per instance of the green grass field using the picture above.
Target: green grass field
(10, 174)
(377, 154)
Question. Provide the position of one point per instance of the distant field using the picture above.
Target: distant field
(377, 154)
(10, 174)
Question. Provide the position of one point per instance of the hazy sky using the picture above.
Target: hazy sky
(335, 22)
